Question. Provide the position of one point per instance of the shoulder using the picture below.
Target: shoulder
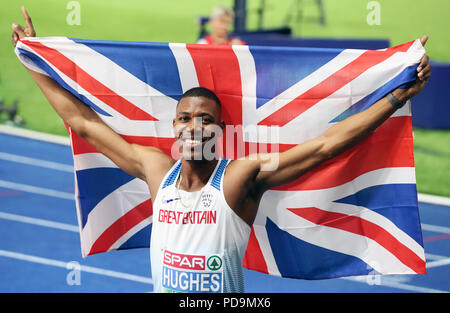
(237, 41)
(243, 169)
(241, 190)
(156, 164)
(202, 41)
(205, 40)
(154, 157)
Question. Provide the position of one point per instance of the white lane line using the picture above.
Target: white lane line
(430, 256)
(386, 282)
(38, 221)
(438, 200)
(37, 190)
(32, 134)
(36, 162)
(83, 268)
(438, 263)
(436, 229)
(438, 260)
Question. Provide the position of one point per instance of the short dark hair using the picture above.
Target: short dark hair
(201, 92)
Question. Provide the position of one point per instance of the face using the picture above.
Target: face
(221, 25)
(197, 126)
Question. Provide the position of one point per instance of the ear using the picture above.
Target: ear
(173, 125)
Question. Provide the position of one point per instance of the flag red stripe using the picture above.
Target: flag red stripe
(390, 146)
(364, 228)
(121, 226)
(80, 145)
(89, 83)
(217, 68)
(253, 258)
(380, 150)
(330, 85)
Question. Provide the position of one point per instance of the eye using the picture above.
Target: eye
(183, 118)
(207, 120)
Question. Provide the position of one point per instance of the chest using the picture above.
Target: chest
(180, 209)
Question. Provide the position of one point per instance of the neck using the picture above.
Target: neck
(196, 173)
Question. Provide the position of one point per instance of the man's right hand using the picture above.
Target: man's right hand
(19, 31)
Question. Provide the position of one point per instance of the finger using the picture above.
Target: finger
(28, 21)
(423, 62)
(14, 38)
(19, 30)
(423, 66)
(424, 72)
(424, 40)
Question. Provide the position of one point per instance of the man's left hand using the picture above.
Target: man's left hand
(423, 73)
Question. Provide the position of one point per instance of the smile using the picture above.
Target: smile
(193, 142)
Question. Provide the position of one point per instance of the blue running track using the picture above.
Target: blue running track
(40, 244)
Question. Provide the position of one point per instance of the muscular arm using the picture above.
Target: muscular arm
(297, 161)
(134, 159)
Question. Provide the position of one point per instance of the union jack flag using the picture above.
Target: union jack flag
(355, 214)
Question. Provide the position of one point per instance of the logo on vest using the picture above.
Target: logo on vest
(214, 263)
(191, 273)
(206, 199)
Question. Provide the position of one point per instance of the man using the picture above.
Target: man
(220, 20)
(204, 206)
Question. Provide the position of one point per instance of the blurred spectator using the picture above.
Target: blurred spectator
(220, 20)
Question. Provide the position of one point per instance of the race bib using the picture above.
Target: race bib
(191, 273)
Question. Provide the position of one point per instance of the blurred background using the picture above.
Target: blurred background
(351, 23)
(322, 23)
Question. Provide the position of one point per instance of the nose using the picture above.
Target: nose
(194, 127)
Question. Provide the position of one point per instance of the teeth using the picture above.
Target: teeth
(192, 142)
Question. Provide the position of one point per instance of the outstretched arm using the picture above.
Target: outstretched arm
(301, 158)
(134, 159)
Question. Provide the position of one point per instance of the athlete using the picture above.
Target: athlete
(220, 21)
(204, 206)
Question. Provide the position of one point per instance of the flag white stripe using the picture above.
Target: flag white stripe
(368, 250)
(92, 160)
(307, 198)
(117, 121)
(111, 208)
(266, 249)
(357, 89)
(378, 220)
(321, 74)
(247, 70)
(115, 78)
(341, 241)
(144, 223)
(74, 85)
(185, 64)
(77, 200)
(305, 230)
(26, 60)
(305, 126)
